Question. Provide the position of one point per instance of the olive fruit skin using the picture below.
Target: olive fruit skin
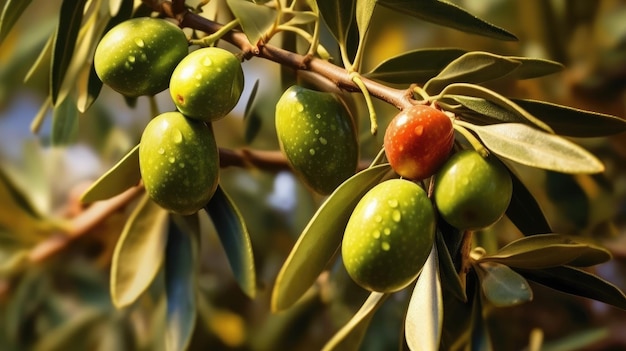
(179, 162)
(389, 236)
(207, 84)
(137, 56)
(317, 134)
(472, 192)
(417, 141)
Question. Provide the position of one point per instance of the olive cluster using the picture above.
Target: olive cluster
(178, 154)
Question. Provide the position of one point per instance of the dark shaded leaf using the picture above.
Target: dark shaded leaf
(321, 238)
(139, 252)
(338, 16)
(472, 67)
(233, 233)
(416, 66)
(255, 20)
(65, 38)
(181, 262)
(424, 319)
(524, 211)
(548, 250)
(449, 277)
(502, 286)
(74, 333)
(356, 326)
(251, 119)
(534, 67)
(532, 147)
(573, 122)
(449, 15)
(480, 339)
(577, 282)
(11, 12)
(64, 123)
(569, 197)
(123, 175)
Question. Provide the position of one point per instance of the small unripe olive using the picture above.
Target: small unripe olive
(389, 236)
(137, 56)
(179, 162)
(471, 191)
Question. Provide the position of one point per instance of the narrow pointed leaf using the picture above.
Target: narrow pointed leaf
(579, 340)
(139, 252)
(502, 286)
(64, 123)
(181, 256)
(123, 175)
(416, 66)
(449, 276)
(573, 122)
(480, 339)
(42, 61)
(472, 67)
(532, 147)
(524, 211)
(449, 15)
(424, 319)
(65, 39)
(338, 16)
(74, 333)
(534, 67)
(255, 20)
(11, 12)
(548, 250)
(488, 112)
(233, 233)
(321, 238)
(357, 325)
(252, 120)
(364, 12)
(577, 282)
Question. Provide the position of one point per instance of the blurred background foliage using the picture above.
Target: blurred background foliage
(54, 291)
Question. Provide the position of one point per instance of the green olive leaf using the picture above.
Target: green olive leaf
(73, 333)
(579, 339)
(364, 10)
(480, 339)
(424, 318)
(43, 59)
(488, 112)
(251, 118)
(321, 237)
(338, 16)
(502, 286)
(472, 67)
(534, 67)
(11, 12)
(449, 276)
(300, 17)
(64, 123)
(65, 39)
(139, 252)
(548, 250)
(180, 266)
(532, 147)
(123, 175)
(233, 233)
(573, 122)
(357, 325)
(449, 15)
(524, 211)
(255, 20)
(415, 66)
(577, 282)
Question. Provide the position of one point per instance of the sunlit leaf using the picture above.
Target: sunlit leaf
(424, 318)
(357, 325)
(472, 67)
(255, 20)
(181, 262)
(43, 58)
(577, 282)
(416, 66)
(321, 238)
(449, 277)
(139, 252)
(449, 15)
(364, 11)
(64, 123)
(65, 39)
(573, 122)
(524, 211)
(579, 340)
(11, 12)
(338, 16)
(548, 250)
(123, 175)
(233, 233)
(502, 286)
(115, 6)
(534, 67)
(300, 17)
(72, 333)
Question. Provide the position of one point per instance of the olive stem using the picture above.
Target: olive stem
(356, 78)
(379, 157)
